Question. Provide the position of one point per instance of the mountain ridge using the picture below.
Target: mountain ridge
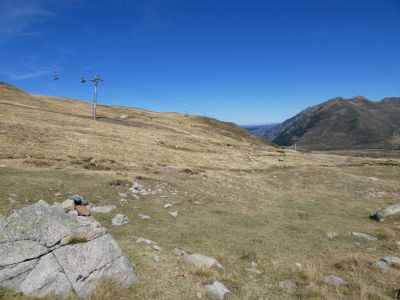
(340, 123)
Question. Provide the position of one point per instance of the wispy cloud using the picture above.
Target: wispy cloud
(26, 74)
(26, 68)
(18, 16)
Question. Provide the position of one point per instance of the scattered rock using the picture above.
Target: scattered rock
(78, 200)
(334, 280)
(287, 284)
(167, 205)
(123, 116)
(157, 248)
(397, 243)
(122, 195)
(83, 210)
(47, 251)
(200, 260)
(381, 266)
(217, 288)
(281, 159)
(119, 220)
(94, 161)
(142, 240)
(3, 166)
(298, 265)
(173, 213)
(103, 209)
(364, 236)
(179, 252)
(156, 258)
(57, 194)
(381, 214)
(143, 217)
(392, 260)
(330, 234)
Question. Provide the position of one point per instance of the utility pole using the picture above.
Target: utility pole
(295, 139)
(96, 79)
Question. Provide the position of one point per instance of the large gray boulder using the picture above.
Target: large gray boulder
(388, 211)
(44, 250)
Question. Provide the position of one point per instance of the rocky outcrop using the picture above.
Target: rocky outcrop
(44, 250)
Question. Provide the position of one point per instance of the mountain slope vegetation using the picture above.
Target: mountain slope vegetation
(207, 187)
(339, 123)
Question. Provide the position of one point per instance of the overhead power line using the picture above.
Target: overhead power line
(149, 95)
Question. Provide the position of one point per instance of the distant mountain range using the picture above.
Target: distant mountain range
(355, 123)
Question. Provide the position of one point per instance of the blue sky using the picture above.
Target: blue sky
(250, 62)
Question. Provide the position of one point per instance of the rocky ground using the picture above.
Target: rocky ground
(200, 209)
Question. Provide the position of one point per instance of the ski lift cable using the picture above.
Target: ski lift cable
(176, 103)
(148, 95)
(144, 97)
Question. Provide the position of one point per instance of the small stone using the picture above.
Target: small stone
(68, 204)
(287, 284)
(371, 249)
(83, 210)
(217, 288)
(397, 243)
(173, 213)
(93, 161)
(3, 166)
(123, 116)
(330, 234)
(298, 265)
(143, 217)
(179, 252)
(200, 260)
(334, 280)
(103, 209)
(167, 205)
(392, 260)
(119, 220)
(57, 194)
(78, 200)
(122, 195)
(364, 236)
(157, 248)
(142, 240)
(156, 258)
(281, 159)
(381, 266)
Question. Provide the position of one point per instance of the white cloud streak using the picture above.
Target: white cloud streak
(17, 16)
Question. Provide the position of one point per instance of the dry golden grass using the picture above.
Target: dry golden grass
(239, 203)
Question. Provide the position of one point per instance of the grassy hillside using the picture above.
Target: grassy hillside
(239, 200)
(355, 123)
